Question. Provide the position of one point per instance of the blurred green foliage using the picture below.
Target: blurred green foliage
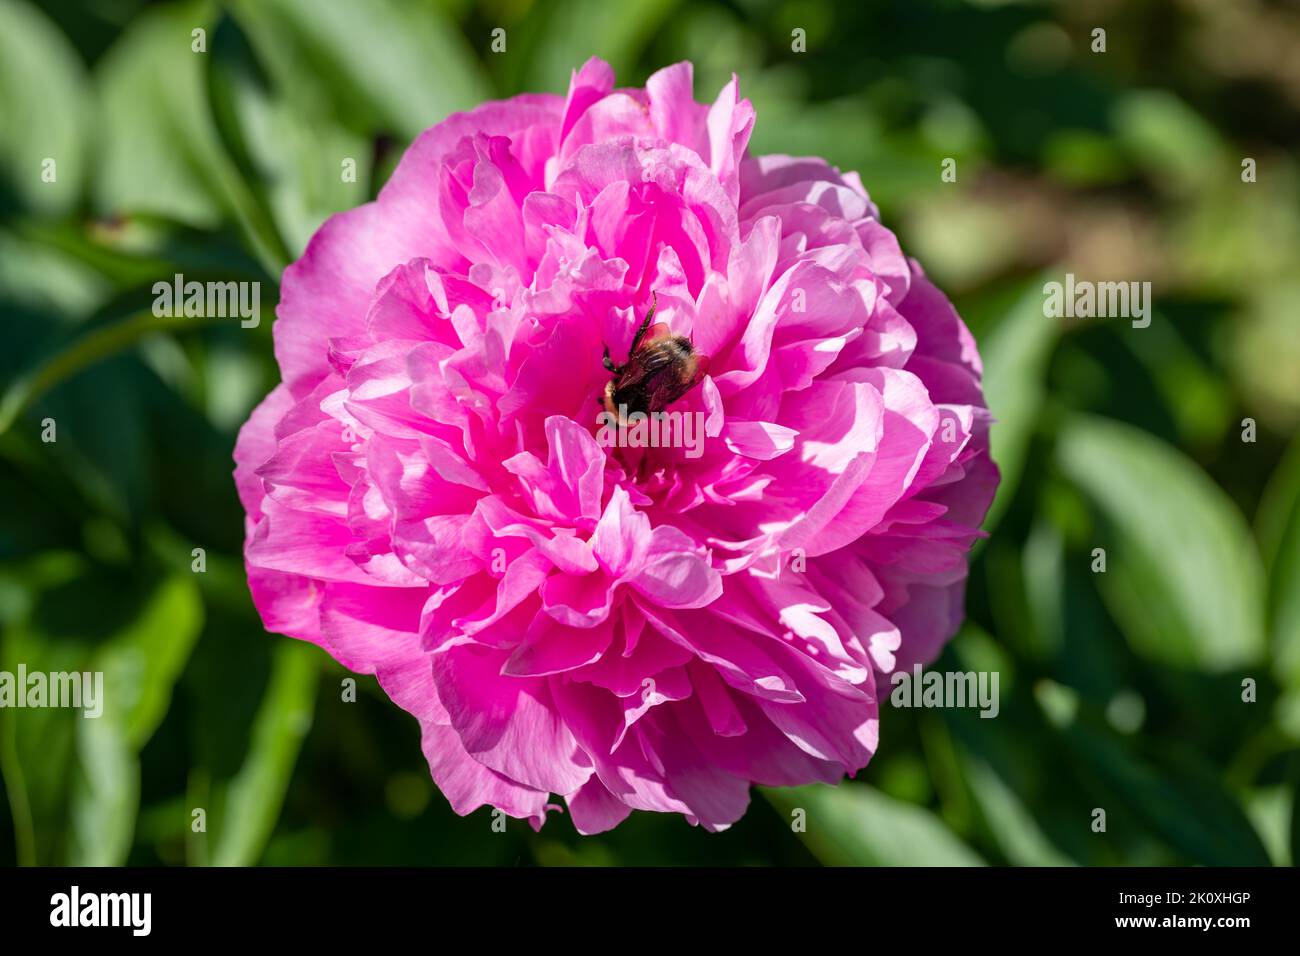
(1120, 690)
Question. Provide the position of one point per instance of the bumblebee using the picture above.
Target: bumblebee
(660, 369)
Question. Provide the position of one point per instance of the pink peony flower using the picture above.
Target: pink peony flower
(430, 498)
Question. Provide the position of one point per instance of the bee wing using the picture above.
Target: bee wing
(657, 355)
(634, 375)
(647, 357)
(701, 369)
(666, 389)
(657, 331)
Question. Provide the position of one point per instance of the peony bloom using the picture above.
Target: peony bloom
(430, 500)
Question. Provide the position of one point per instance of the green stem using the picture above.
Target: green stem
(82, 353)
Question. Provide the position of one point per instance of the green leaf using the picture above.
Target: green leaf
(82, 352)
(44, 293)
(161, 154)
(1184, 579)
(46, 281)
(140, 667)
(254, 796)
(43, 87)
(142, 663)
(1195, 395)
(1269, 809)
(854, 824)
(62, 766)
(105, 795)
(37, 747)
(293, 156)
(1184, 803)
(1175, 144)
(1013, 826)
(1278, 528)
(1043, 570)
(1016, 351)
(1295, 809)
(394, 65)
(153, 121)
(572, 31)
